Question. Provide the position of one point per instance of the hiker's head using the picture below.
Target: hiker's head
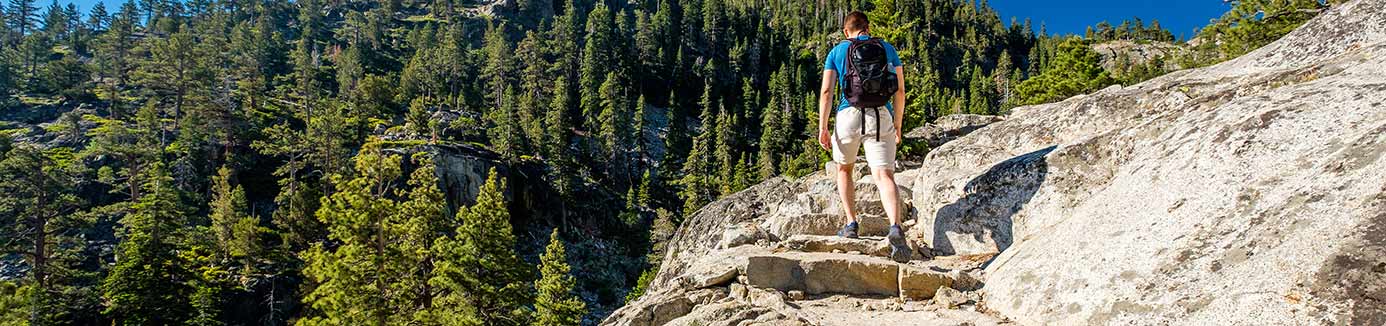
(855, 23)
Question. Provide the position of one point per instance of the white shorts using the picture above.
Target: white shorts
(850, 133)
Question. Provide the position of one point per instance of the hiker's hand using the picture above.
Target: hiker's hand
(899, 135)
(824, 139)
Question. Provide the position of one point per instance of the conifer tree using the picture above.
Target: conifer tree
(23, 15)
(496, 69)
(563, 42)
(536, 86)
(557, 124)
(556, 305)
(378, 273)
(980, 93)
(699, 187)
(725, 153)
(637, 132)
(596, 58)
(507, 136)
(775, 134)
(39, 208)
(613, 121)
(644, 192)
(235, 229)
(664, 27)
(420, 220)
(350, 284)
(1081, 73)
(480, 280)
(146, 285)
(1000, 77)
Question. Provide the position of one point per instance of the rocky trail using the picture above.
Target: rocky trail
(1248, 192)
(792, 269)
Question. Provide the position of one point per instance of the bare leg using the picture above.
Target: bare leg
(890, 196)
(846, 188)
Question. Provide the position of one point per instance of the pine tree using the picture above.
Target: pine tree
(725, 153)
(1076, 70)
(663, 25)
(647, 50)
(496, 69)
(699, 187)
(555, 304)
(479, 278)
(536, 86)
(980, 93)
(350, 284)
(379, 271)
(55, 21)
(39, 208)
(612, 122)
(145, 287)
(645, 191)
(563, 43)
(507, 136)
(235, 229)
(113, 59)
(1000, 77)
(7, 80)
(596, 58)
(23, 15)
(1251, 24)
(421, 219)
(557, 124)
(775, 134)
(637, 132)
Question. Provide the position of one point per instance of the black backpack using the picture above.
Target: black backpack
(870, 80)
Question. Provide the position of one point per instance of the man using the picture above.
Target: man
(868, 126)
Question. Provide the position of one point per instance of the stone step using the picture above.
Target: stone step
(825, 224)
(831, 273)
(870, 245)
(873, 246)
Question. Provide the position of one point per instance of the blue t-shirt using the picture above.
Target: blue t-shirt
(837, 61)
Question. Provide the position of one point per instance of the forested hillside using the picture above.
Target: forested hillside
(272, 162)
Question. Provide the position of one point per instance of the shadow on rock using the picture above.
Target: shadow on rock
(981, 220)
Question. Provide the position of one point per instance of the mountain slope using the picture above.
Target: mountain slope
(1249, 192)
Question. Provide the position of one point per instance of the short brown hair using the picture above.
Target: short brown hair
(856, 22)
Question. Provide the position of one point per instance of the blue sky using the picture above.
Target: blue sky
(1061, 16)
(1181, 17)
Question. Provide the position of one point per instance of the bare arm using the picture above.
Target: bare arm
(825, 106)
(899, 103)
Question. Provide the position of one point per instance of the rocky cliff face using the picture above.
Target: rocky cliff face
(1249, 192)
(1137, 53)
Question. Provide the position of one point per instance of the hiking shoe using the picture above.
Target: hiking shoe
(900, 251)
(848, 231)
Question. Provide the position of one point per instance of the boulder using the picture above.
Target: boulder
(949, 298)
(740, 234)
(652, 309)
(719, 267)
(920, 283)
